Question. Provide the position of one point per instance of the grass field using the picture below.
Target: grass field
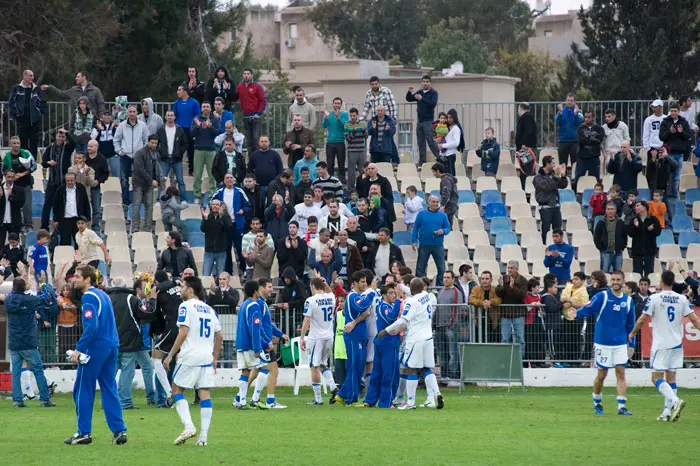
(479, 426)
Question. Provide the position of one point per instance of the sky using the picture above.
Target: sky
(558, 6)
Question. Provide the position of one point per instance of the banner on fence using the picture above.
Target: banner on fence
(691, 339)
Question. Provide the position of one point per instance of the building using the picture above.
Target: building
(554, 34)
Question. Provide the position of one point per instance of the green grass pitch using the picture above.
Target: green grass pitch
(479, 426)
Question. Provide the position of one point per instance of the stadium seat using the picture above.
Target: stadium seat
(402, 238)
(534, 253)
(142, 239)
(467, 210)
(696, 210)
(677, 207)
(491, 266)
(410, 181)
(454, 238)
(196, 239)
(397, 197)
(515, 196)
(570, 209)
(585, 182)
(688, 182)
(198, 254)
(586, 197)
(392, 181)
(669, 252)
(484, 253)
(539, 270)
(644, 194)
(460, 170)
(476, 239)
(463, 182)
(599, 218)
(582, 238)
(495, 210)
(686, 238)
(567, 195)
(682, 223)
(505, 170)
(466, 196)
(529, 186)
(111, 197)
(692, 254)
(520, 210)
(531, 241)
(607, 183)
(490, 196)
(145, 266)
(144, 254)
(510, 183)
(193, 224)
(112, 184)
(385, 169)
(688, 169)
(63, 254)
(484, 183)
(692, 195)
(120, 253)
(406, 170)
(526, 225)
(472, 159)
(121, 269)
(432, 184)
(576, 223)
(510, 252)
(505, 238)
(472, 223)
(499, 224)
(115, 224)
(586, 254)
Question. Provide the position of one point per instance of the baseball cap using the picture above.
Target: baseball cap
(657, 103)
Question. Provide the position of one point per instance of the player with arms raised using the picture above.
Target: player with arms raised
(614, 322)
(419, 353)
(318, 321)
(667, 310)
(199, 343)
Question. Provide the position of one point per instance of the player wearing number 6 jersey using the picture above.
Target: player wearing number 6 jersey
(614, 321)
(318, 321)
(199, 343)
(667, 310)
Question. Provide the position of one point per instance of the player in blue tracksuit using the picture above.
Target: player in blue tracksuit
(384, 380)
(355, 335)
(248, 341)
(614, 322)
(100, 341)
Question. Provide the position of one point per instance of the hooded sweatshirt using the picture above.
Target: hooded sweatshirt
(224, 88)
(311, 165)
(153, 121)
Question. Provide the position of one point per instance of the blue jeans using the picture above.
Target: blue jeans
(678, 158)
(165, 168)
(143, 358)
(424, 253)
(96, 203)
(510, 327)
(610, 261)
(33, 360)
(115, 165)
(127, 364)
(213, 257)
(447, 351)
(124, 175)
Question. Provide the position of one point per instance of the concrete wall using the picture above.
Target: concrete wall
(563, 29)
(308, 45)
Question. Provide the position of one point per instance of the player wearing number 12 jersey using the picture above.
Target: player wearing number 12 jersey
(667, 310)
(198, 342)
(318, 320)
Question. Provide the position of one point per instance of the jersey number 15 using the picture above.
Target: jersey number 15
(204, 328)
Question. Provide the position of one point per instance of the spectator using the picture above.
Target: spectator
(675, 132)
(103, 132)
(186, 109)
(382, 128)
(205, 129)
(328, 267)
(597, 201)
(652, 125)
(253, 102)
(149, 116)
(278, 214)
(454, 141)
(550, 311)
(466, 279)
(304, 109)
(548, 182)
(308, 162)
(296, 140)
(230, 131)
(261, 256)
(350, 256)
(356, 138)
(644, 229)
(293, 251)
(335, 142)
(99, 166)
(303, 185)
(426, 100)
(265, 163)
(248, 242)
(131, 136)
(14, 253)
(356, 235)
(384, 254)
(67, 323)
(489, 153)
(376, 96)
(87, 242)
(238, 206)
(146, 177)
(448, 313)
(329, 184)
(574, 296)
(81, 123)
(558, 257)
(230, 161)
(291, 297)
(304, 211)
(255, 196)
(221, 86)
(176, 258)
(194, 87)
(661, 170)
(215, 226)
(224, 300)
(71, 202)
(83, 173)
(449, 198)
(170, 211)
(411, 206)
(687, 112)
(334, 221)
(22, 163)
(82, 88)
(130, 315)
(526, 131)
(512, 289)
(610, 237)
(428, 237)
(370, 177)
(533, 330)
(39, 255)
(11, 201)
(590, 139)
(281, 185)
(657, 208)
(625, 165)
(379, 214)
(27, 105)
(225, 117)
(484, 297)
(616, 132)
(57, 159)
(568, 119)
(320, 242)
(172, 145)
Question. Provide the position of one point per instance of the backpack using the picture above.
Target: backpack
(526, 156)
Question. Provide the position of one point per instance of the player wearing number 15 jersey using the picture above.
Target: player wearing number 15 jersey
(667, 310)
(198, 342)
(318, 320)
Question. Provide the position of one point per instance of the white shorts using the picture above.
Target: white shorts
(669, 359)
(195, 377)
(419, 355)
(607, 357)
(319, 351)
(369, 353)
(248, 360)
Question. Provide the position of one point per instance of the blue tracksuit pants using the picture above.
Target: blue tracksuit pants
(356, 350)
(101, 368)
(384, 380)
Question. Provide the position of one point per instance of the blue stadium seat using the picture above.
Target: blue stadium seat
(196, 239)
(38, 197)
(499, 224)
(585, 197)
(495, 210)
(644, 194)
(193, 224)
(397, 197)
(666, 237)
(678, 208)
(692, 195)
(567, 195)
(37, 209)
(465, 196)
(31, 238)
(187, 196)
(682, 223)
(598, 219)
(490, 196)
(143, 212)
(505, 238)
(402, 238)
(688, 237)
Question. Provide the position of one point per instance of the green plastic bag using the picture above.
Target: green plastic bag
(289, 359)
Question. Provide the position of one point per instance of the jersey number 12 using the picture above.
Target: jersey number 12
(327, 313)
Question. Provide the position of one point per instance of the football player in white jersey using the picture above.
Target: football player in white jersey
(371, 326)
(318, 321)
(199, 342)
(419, 352)
(667, 310)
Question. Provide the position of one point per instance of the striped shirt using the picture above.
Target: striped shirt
(330, 185)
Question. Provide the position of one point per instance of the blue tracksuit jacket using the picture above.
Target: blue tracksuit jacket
(615, 318)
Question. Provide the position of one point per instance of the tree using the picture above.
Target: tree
(537, 74)
(570, 79)
(454, 40)
(372, 29)
(632, 51)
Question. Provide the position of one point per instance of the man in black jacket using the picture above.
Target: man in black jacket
(57, 158)
(449, 198)
(145, 176)
(130, 313)
(98, 163)
(71, 202)
(224, 300)
(393, 254)
(164, 328)
(590, 136)
(526, 132)
(661, 169)
(281, 185)
(194, 87)
(643, 229)
(215, 227)
(27, 104)
(172, 145)
(675, 132)
(291, 297)
(12, 196)
(176, 258)
(228, 161)
(292, 251)
(611, 225)
(370, 177)
(548, 182)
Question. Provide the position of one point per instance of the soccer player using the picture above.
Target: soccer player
(318, 321)
(248, 341)
(667, 310)
(384, 379)
(371, 326)
(165, 305)
(199, 342)
(99, 341)
(614, 322)
(356, 311)
(419, 352)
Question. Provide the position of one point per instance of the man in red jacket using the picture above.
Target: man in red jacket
(253, 102)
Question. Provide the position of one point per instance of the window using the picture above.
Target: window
(232, 35)
(547, 33)
(292, 30)
(406, 135)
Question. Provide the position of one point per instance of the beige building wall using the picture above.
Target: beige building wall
(554, 34)
(299, 40)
